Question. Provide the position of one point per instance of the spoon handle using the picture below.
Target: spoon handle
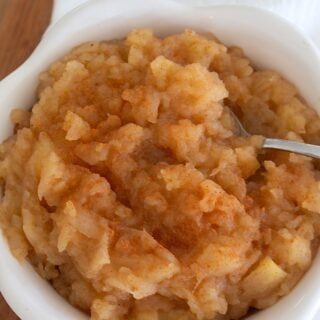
(306, 149)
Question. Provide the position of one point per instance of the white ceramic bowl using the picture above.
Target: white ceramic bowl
(268, 40)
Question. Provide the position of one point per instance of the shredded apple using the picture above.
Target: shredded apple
(127, 187)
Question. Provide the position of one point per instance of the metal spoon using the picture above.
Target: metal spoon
(306, 149)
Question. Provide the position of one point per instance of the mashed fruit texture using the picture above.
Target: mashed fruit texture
(128, 188)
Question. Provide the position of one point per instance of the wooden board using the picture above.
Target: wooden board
(22, 22)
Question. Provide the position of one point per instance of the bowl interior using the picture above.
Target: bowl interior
(269, 41)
